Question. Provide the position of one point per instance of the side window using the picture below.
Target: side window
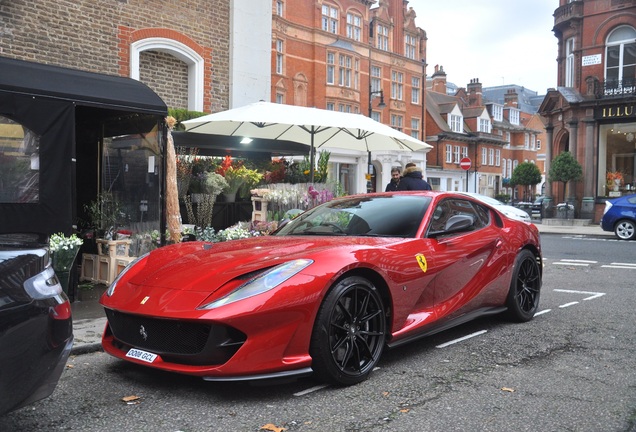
(456, 216)
(19, 163)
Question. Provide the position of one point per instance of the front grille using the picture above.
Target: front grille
(178, 341)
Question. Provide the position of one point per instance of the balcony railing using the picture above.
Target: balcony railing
(617, 88)
(568, 12)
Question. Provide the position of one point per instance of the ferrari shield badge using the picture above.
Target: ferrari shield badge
(421, 260)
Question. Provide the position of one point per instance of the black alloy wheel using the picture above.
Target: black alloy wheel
(349, 332)
(525, 288)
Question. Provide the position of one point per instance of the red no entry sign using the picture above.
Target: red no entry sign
(465, 163)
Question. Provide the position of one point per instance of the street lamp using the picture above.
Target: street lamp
(381, 105)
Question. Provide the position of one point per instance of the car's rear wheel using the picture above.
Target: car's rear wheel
(625, 229)
(349, 332)
(525, 288)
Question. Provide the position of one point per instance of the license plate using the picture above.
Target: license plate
(141, 355)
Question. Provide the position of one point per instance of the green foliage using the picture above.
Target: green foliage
(565, 168)
(181, 114)
(526, 174)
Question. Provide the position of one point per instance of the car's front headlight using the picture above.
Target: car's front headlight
(111, 289)
(261, 283)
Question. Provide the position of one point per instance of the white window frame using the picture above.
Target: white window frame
(456, 152)
(410, 46)
(330, 18)
(354, 26)
(397, 122)
(569, 62)
(497, 157)
(279, 56)
(345, 70)
(415, 90)
(484, 156)
(397, 85)
(331, 68)
(449, 153)
(455, 122)
(382, 37)
(376, 79)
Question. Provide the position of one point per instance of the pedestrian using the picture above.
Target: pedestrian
(412, 179)
(395, 180)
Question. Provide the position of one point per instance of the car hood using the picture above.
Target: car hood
(201, 266)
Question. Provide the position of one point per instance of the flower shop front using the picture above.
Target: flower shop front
(76, 147)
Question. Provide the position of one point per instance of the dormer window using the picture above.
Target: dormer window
(455, 122)
(410, 46)
(383, 37)
(497, 112)
(484, 125)
(514, 116)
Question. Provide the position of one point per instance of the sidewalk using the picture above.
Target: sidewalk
(89, 318)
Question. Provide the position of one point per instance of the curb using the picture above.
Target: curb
(86, 348)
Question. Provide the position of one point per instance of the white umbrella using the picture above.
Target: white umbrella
(311, 126)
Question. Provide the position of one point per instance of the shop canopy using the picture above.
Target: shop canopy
(80, 87)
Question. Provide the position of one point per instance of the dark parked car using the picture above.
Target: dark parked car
(36, 332)
(620, 216)
(537, 207)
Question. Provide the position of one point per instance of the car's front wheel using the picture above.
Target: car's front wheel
(625, 229)
(525, 287)
(349, 332)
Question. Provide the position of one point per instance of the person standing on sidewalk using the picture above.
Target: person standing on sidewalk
(395, 180)
(412, 179)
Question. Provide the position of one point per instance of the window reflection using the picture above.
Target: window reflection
(19, 163)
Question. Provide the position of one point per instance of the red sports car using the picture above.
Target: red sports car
(327, 292)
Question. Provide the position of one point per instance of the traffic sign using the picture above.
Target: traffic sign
(465, 163)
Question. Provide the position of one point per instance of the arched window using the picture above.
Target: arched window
(620, 58)
(182, 52)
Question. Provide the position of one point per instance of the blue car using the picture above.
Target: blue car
(620, 216)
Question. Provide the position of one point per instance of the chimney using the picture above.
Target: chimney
(439, 80)
(474, 93)
(511, 99)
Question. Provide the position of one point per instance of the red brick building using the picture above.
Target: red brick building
(347, 56)
(592, 111)
(495, 137)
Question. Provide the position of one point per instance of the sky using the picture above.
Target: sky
(500, 42)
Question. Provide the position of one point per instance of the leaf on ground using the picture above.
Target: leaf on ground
(69, 366)
(404, 410)
(508, 389)
(273, 428)
(131, 400)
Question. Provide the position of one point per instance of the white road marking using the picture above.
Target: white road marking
(571, 264)
(580, 261)
(311, 390)
(620, 266)
(472, 335)
(592, 297)
(544, 311)
(568, 304)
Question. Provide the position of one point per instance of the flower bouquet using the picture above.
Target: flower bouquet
(63, 252)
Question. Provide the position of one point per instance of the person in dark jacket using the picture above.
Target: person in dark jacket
(395, 180)
(412, 179)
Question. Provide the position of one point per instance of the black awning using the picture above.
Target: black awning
(83, 88)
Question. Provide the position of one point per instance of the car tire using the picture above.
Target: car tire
(625, 229)
(349, 332)
(525, 288)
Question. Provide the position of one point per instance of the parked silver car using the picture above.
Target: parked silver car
(508, 210)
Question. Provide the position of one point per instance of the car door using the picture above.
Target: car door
(469, 266)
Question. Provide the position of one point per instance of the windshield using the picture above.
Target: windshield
(378, 216)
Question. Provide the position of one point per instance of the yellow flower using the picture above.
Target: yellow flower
(306, 172)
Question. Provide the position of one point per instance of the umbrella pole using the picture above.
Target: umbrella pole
(312, 157)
